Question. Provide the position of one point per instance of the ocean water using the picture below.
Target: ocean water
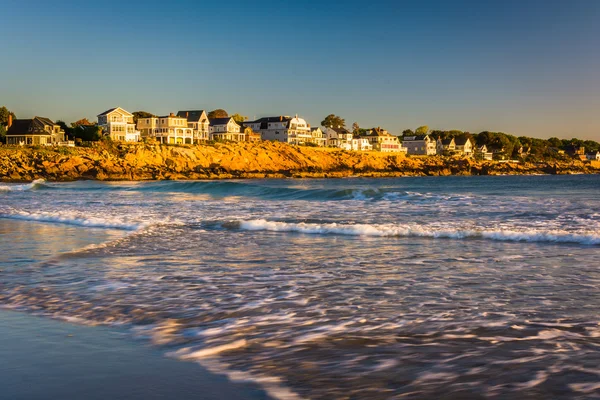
(449, 287)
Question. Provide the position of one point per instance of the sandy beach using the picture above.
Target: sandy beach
(49, 359)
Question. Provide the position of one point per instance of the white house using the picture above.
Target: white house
(419, 145)
(339, 137)
(447, 146)
(197, 120)
(483, 153)
(464, 146)
(293, 130)
(225, 129)
(167, 129)
(118, 125)
(361, 143)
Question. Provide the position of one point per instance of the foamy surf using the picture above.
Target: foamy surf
(73, 219)
(414, 230)
(22, 187)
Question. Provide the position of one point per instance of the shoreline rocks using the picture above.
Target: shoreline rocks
(144, 161)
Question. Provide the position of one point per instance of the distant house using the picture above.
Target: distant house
(197, 120)
(361, 143)
(292, 130)
(167, 129)
(464, 146)
(225, 129)
(318, 137)
(594, 156)
(523, 151)
(382, 140)
(249, 134)
(446, 146)
(420, 145)
(117, 124)
(339, 137)
(35, 131)
(483, 153)
(576, 152)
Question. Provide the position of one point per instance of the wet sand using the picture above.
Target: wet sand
(43, 358)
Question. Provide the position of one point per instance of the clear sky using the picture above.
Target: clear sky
(523, 67)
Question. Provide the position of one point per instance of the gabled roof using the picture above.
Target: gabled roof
(34, 126)
(340, 130)
(462, 141)
(447, 142)
(220, 121)
(281, 118)
(115, 109)
(191, 115)
(415, 137)
(265, 121)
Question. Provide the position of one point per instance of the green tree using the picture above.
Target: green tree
(355, 128)
(68, 130)
(141, 114)
(422, 130)
(407, 132)
(333, 121)
(555, 142)
(2, 134)
(218, 113)
(4, 113)
(239, 118)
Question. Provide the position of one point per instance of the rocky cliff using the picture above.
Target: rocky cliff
(243, 160)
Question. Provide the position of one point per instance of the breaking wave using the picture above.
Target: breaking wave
(413, 230)
(22, 187)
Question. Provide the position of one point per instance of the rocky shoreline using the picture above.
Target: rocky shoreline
(143, 161)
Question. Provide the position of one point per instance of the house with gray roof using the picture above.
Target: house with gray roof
(35, 131)
(420, 145)
(197, 120)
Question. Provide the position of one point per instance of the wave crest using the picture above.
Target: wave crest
(413, 230)
(22, 187)
(73, 219)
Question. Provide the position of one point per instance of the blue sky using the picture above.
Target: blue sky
(523, 67)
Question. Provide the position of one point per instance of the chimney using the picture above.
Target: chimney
(171, 115)
(187, 114)
(10, 121)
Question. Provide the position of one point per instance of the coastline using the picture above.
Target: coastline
(141, 162)
(46, 358)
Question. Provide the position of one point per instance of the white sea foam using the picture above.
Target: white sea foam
(414, 230)
(21, 187)
(73, 219)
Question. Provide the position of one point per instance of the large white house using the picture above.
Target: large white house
(420, 145)
(117, 124)
(198, 121)
(293, 130)
(226, 129)
(167, 129)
